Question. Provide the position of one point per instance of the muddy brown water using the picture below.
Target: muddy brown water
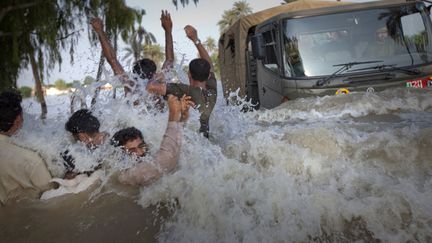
(75, 218)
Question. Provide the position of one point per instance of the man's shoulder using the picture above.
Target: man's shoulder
(211, 82)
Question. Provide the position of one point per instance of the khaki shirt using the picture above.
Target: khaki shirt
(205, 99)
(164, 161)
(23, 173)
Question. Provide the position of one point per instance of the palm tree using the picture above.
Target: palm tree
(288, 1)
(210, 44)
(154, 52)
(239, 9)
(135, 41)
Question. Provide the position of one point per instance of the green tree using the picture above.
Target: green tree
(229, 17)
(183, 2)
(288, 1)
(25, 91)
(88, 80)
(34, 33)
(135, 41)
(210, 45)
(155, 53)
(60, 84)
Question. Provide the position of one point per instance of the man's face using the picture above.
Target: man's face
(382, 34)
(136, 147)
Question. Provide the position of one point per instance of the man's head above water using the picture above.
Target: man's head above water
(11, 118)
(85, 128)
(144, 68)
(199, 69)
(131, 140)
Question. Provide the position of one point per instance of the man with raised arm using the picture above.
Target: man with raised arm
(202, 88)
(144, 68)
(166, 159)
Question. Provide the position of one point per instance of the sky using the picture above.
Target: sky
(203, 16)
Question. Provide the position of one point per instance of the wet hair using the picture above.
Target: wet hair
(10, 109)
(82, 121)
(199, 69)
(144, 68)
(123, 136)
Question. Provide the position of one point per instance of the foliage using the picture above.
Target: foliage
(88, 80)
(25, 91)
(60, 84)
(135, 41)
(288, 1)
(210, 45)
(215, 60)
(155, 53)
(42, 28)
(229, 17)
(183, 2)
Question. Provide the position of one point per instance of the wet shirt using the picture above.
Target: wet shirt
(165, 160)
(205, 99)
(23, 173)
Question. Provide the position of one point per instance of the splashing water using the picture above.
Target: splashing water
(335, 168)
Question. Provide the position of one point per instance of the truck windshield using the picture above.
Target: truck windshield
(397, 36)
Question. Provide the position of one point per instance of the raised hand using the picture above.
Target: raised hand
(166, 21)
(97, 24)
(186, 102)
(191, 33)
(175, 107)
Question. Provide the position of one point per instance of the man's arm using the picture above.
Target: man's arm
(110, 55)
(107, 49)
(166, 159)
(192, 34)
(169, 49)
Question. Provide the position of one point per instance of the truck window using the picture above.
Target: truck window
(414, 34)
(270, 60)
(393, 35)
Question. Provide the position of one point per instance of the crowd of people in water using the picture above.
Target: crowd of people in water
(24, 174)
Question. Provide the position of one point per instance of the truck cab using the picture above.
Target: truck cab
(358, 47)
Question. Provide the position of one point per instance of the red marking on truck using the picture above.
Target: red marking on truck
(420, 83)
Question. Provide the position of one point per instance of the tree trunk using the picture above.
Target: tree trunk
(98, 77)
(115, 50)
(38, 85)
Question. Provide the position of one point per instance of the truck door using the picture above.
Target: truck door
(269, 83)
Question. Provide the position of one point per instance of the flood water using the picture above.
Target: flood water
(345, 168)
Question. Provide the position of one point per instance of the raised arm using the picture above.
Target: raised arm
(166, 159)
(110, 55)
(107, 49)
(192, 34)
(169, 49)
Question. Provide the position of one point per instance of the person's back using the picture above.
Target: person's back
(23, 173)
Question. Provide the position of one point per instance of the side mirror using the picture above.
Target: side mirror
(258, 50)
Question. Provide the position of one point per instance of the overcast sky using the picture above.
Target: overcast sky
(204, 16)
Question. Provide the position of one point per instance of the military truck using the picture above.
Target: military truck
(316, 48)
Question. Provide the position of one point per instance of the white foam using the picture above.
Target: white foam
(336, 168)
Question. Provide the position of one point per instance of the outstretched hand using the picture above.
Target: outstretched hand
(186, 102)
(191, 33)
(97, 24)
(166, 21)
(175, 108)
